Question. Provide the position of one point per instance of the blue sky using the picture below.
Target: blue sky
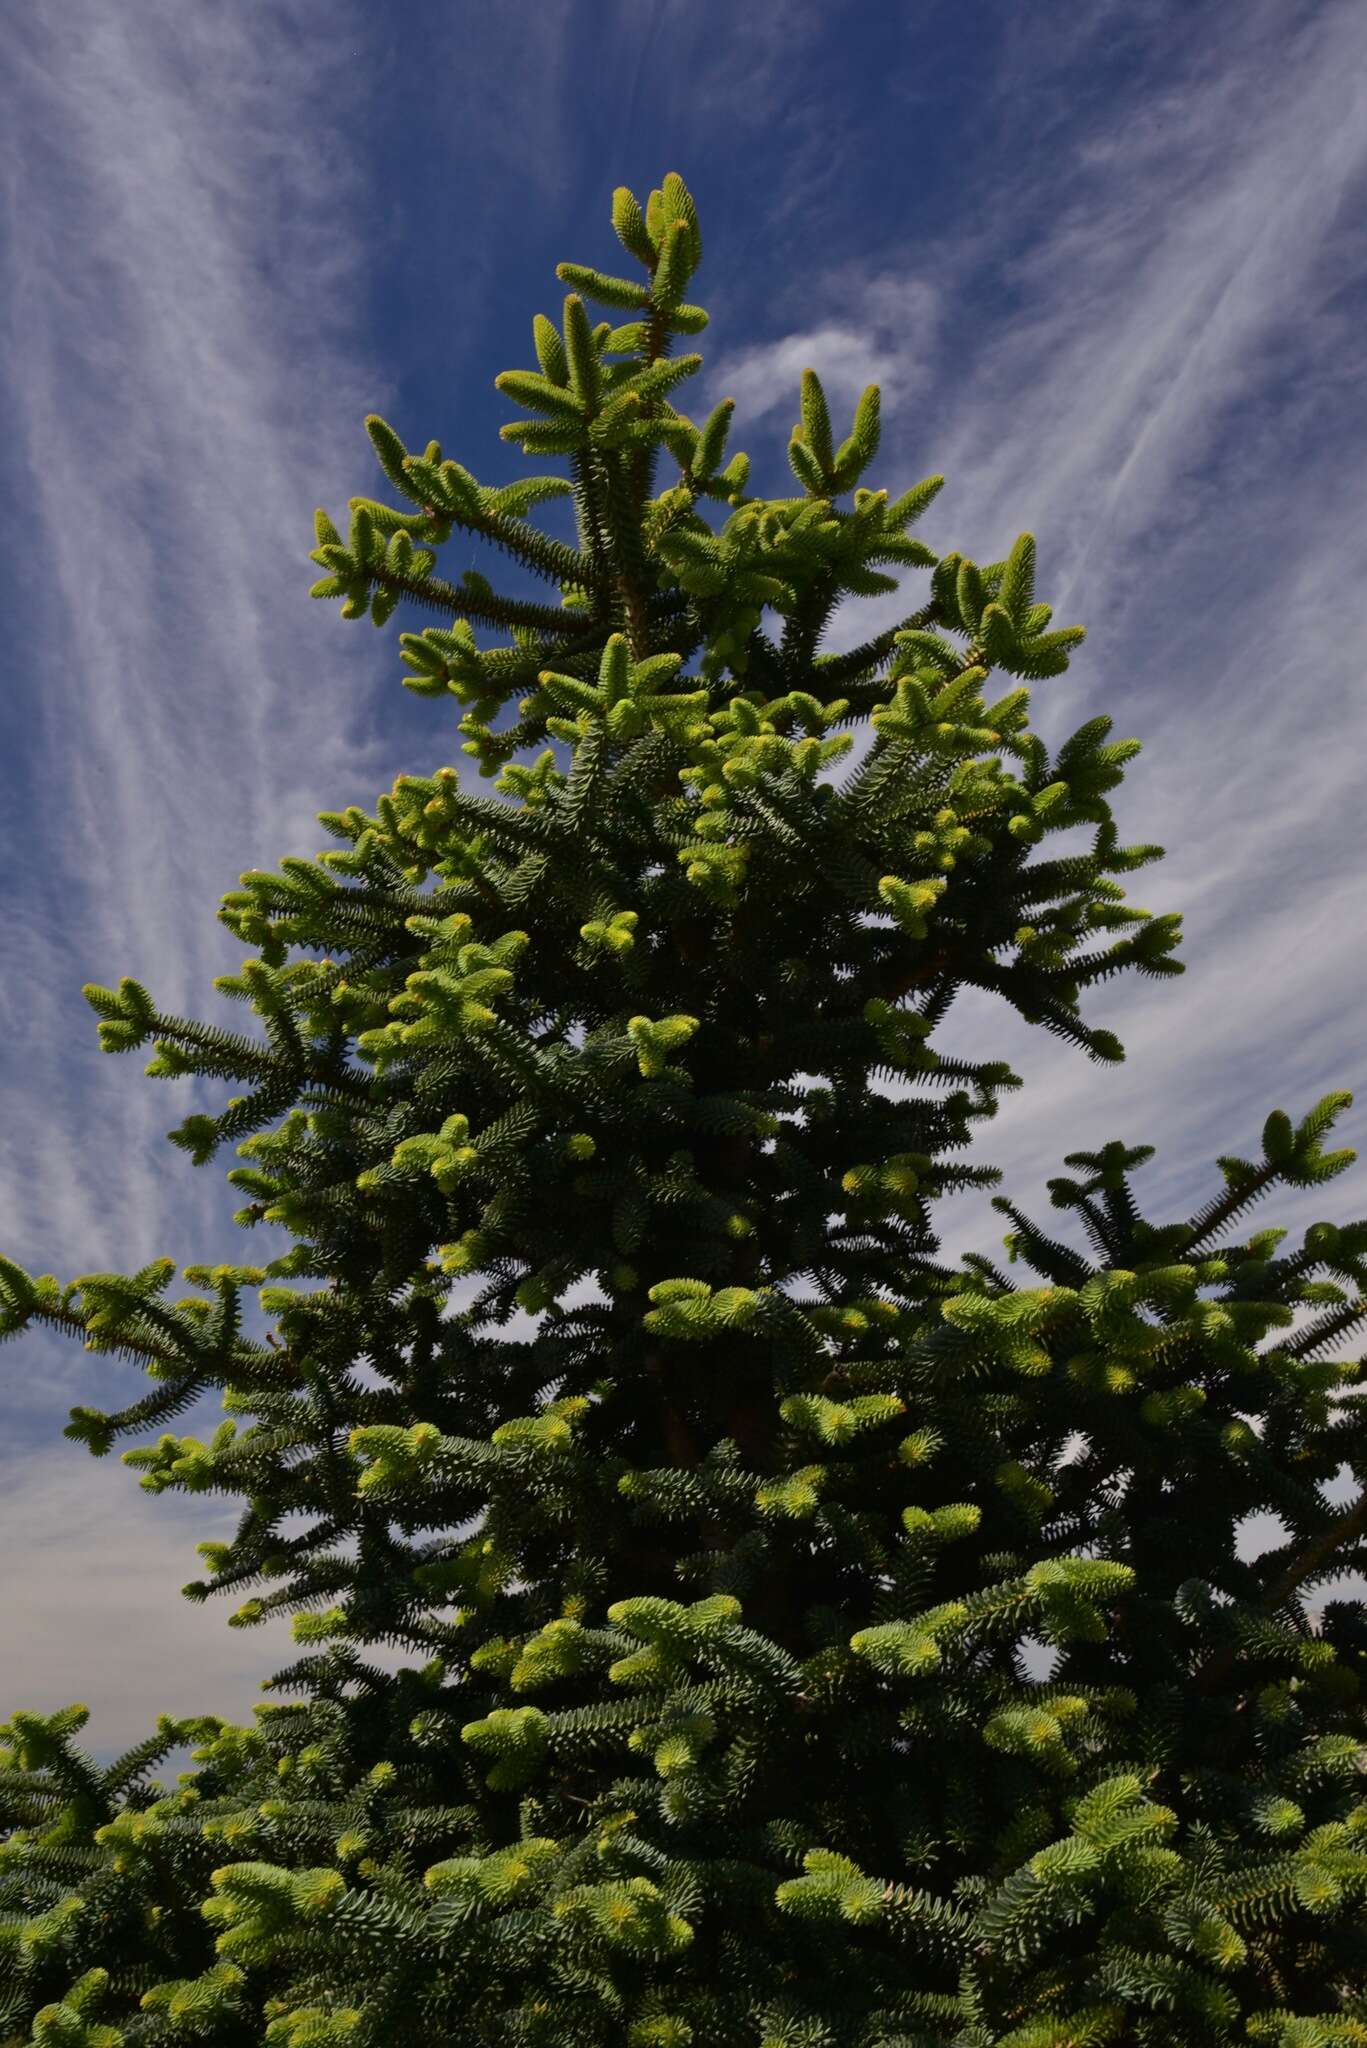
(1105, 261)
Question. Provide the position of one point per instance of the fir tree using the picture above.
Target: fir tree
(717, 1726)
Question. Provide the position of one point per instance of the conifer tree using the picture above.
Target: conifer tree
(717, 1724)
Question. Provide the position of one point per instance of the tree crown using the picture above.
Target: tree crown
(721, 1585)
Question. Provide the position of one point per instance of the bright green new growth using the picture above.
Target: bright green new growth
(716, 1726)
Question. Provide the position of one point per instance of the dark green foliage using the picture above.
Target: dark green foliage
(718, 1726)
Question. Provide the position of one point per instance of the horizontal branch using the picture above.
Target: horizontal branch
(1307, 1564)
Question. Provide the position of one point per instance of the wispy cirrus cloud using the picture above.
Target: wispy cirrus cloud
(1151, 363)
(765, 379)
(185, 379)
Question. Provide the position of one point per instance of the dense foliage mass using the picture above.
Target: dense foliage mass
(720, 1723)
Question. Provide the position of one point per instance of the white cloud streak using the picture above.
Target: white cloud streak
(1162, 381)
(765, 379)
(183, 275)
(182, 289)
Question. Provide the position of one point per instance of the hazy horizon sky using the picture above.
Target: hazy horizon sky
(1105, 262)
